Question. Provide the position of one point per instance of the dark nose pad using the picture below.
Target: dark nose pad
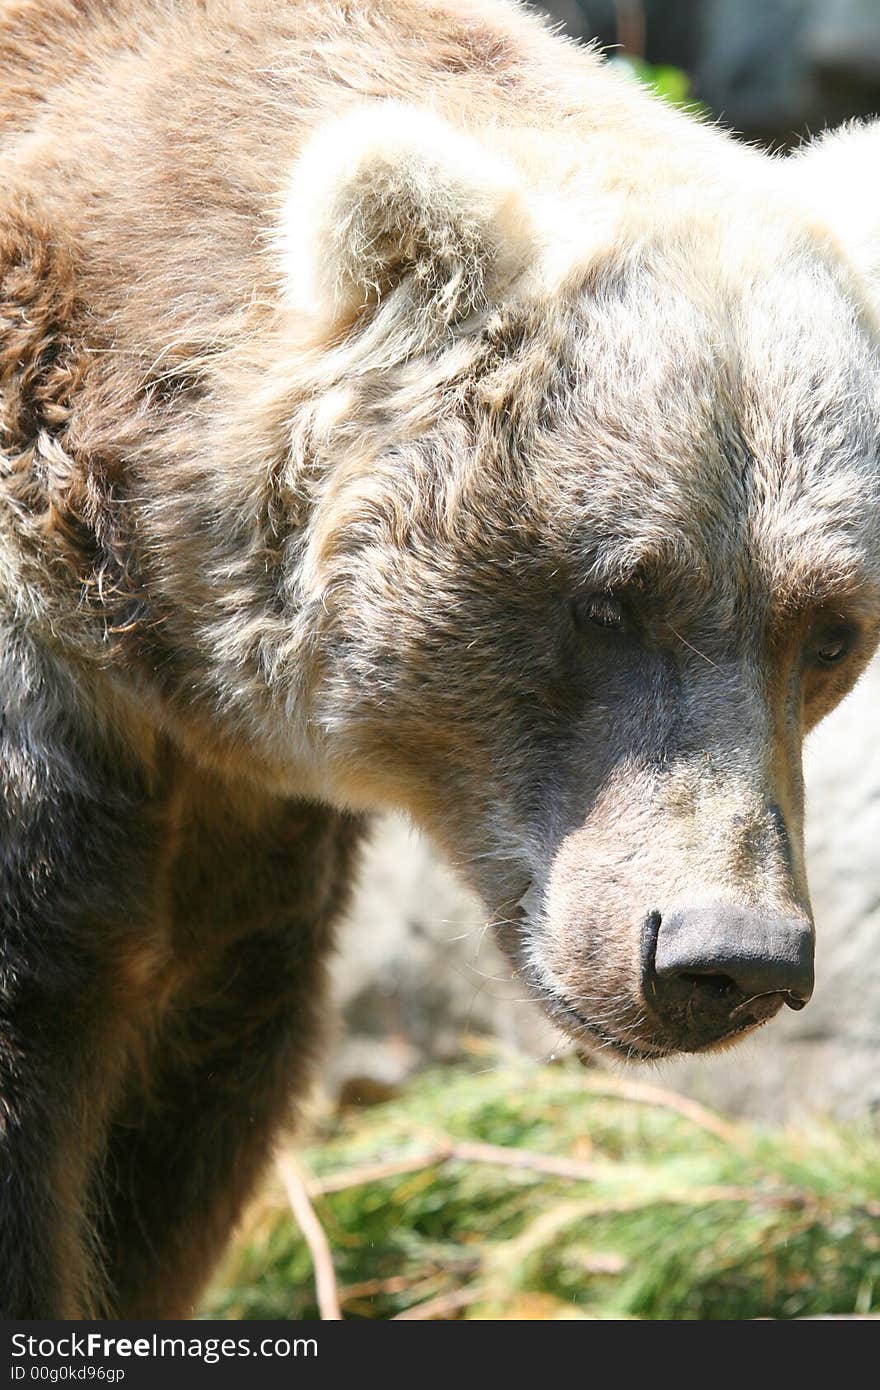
(717, 959)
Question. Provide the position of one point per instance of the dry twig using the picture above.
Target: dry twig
(441, 1305)
(463, 1151)
(631, 27)
(313, 1233)
(642, 1093)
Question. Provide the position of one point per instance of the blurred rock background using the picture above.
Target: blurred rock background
(417, 972)
(771, 69)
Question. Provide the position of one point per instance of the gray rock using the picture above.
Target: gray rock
(417, 972)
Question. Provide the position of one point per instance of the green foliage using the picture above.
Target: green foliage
(672, 84)
(673, 1221)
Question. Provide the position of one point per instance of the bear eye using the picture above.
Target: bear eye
(832, 646)
(600, 610)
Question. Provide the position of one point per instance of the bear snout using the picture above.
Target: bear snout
(711, 973)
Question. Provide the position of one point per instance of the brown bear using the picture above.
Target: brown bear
(397, 408)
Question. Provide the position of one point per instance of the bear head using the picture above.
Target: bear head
(593, 491)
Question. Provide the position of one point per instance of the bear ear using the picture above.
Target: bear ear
(391, 197)
(835, 175)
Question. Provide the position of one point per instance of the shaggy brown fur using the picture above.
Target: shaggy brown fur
(396, 408)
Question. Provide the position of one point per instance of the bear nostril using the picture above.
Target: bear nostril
(719, 986)
(650, 933)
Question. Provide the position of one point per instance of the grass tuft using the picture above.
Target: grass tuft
(676, 1216)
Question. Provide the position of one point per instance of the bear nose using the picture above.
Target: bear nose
(719, 968)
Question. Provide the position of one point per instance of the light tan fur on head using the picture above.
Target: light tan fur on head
(836, 177)
(390, 191)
